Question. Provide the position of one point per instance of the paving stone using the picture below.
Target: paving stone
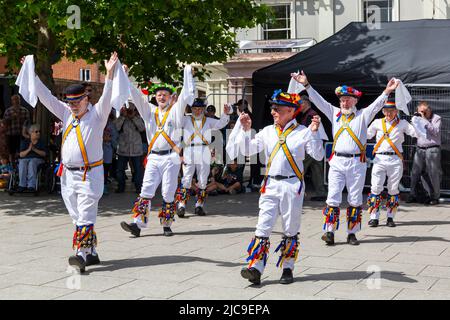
(29, 292)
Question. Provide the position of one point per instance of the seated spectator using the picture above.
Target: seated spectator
(5, 171)
(232, 180)
(214, 176)
(31, 155)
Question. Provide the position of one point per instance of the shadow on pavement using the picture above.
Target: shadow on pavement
(112, 265)
(421, 223)
(394, 239)
(347, 275)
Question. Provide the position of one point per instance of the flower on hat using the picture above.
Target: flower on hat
(286, 99)
(347, 91)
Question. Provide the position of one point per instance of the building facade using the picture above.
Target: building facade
(297, 25)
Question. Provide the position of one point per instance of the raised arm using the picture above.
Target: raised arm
(55, 106)
(327, 108)
(139, 100)
(186, 96)
(224, 118)
(103, 106)
(371, 111)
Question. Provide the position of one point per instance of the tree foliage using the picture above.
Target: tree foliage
(156, 37)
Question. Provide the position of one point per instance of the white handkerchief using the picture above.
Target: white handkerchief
(25, 81)
(402, 97)
(419, 126)
(295, 87)
(232, 148)
(188, 83)
(120, 87)
(323, 135)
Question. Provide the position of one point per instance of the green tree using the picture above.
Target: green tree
(155, 37)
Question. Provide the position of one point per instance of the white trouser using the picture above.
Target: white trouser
(280, 199)
(346, 172)
(390, 166)
(161, 168)
(197, 158)
(81, 197)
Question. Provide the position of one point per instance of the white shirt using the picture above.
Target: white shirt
(175, 119)
(299, 141)
(205, 131)
(397, 134)
(359, 124)
(91, 124)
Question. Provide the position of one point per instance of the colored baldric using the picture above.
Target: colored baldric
(160, 131)
(387, 138)
(282, 136)
(87, 166)
(345, 126)
(197, 132)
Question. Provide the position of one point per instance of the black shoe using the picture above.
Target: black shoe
(21, 189)
(132, 227)
(252, 275)
(287, 276)
(373, 223)
(78, 262)
(328, 237)
(92, 259)
(390, 222)
(319, 198)
(411, 199)
(199, 211)
(167, 231)
(181, 211)
(351, 239)
(433, 202)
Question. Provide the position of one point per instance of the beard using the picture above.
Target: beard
(347, 112)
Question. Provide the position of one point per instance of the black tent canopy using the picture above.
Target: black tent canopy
(413, 51)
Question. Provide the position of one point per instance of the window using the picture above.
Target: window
(85, 75)
(279, 27)
(371, 8)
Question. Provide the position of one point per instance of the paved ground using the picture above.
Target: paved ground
(203, 259)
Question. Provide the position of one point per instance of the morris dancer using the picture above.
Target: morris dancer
(348, 157)
(388, 161)
(284, 144)
(196, 153)
(81, 168)
(163, 125)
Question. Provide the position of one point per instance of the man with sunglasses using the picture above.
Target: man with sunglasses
(284, 145)
(348, 156)
(81, 168)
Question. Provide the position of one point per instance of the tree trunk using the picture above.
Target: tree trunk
(45, 52)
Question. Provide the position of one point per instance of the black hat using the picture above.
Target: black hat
(199, 103)
(74, 92)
